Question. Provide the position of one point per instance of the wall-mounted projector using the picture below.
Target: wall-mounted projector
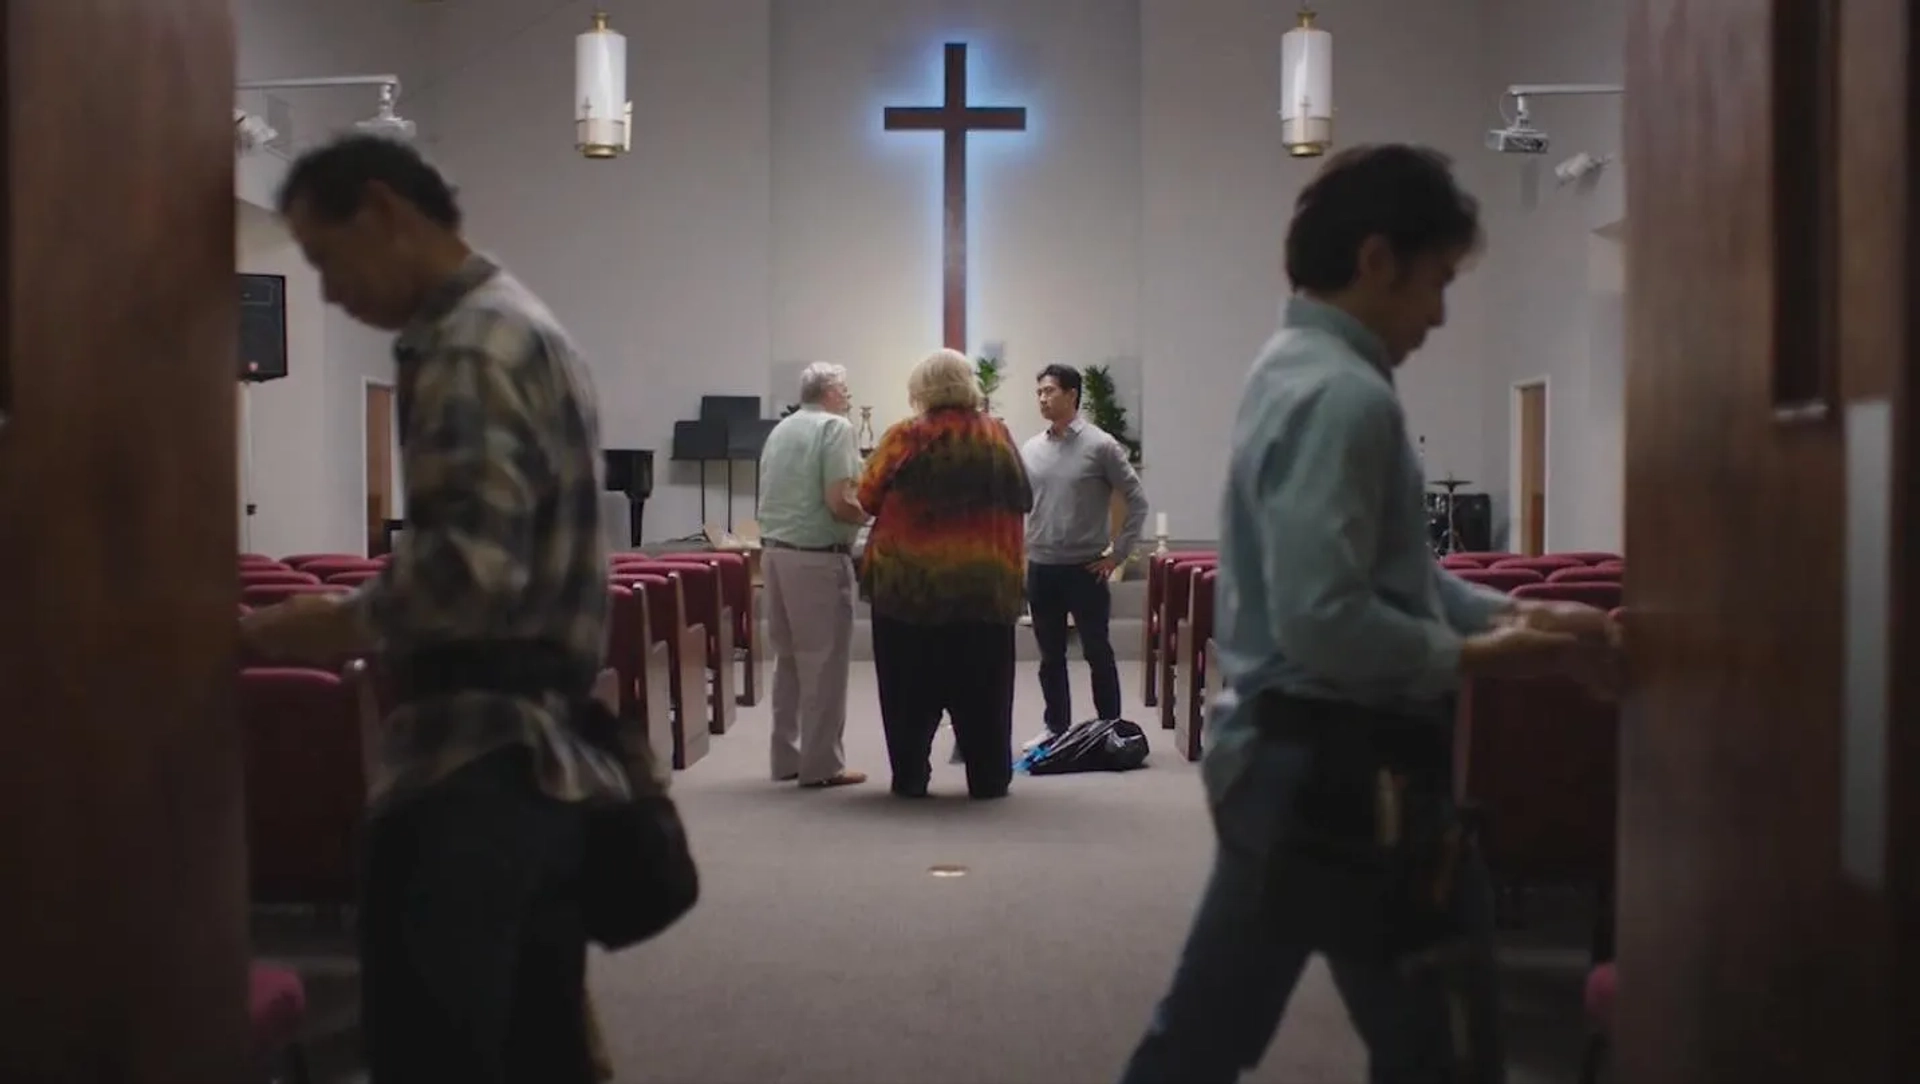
(1520, 136)
(1517, 139)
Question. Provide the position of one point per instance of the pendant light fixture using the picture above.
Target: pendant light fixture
(603, 117)
(1306, 88)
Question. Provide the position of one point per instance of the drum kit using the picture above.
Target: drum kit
(1443, 527)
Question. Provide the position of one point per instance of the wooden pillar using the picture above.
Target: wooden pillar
(123, 919)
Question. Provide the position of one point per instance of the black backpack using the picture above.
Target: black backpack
(1097, 745)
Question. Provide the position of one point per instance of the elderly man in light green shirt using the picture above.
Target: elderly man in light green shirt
(808, 520)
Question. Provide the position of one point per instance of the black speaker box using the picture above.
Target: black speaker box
(1473, 518)
(263, 327)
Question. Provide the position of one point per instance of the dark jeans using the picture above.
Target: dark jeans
(1054, 592)
(963, 670)
(472, 951)
(1422, 1023)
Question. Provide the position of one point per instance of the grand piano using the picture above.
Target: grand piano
(630, 471)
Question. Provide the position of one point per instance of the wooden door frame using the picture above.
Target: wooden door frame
(1516, 509)
(1771, 257)
(243, 423)
(367, 383)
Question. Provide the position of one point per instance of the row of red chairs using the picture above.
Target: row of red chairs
(1501, 559)
(671, 671)
(265, 581)
(1506, 579)
(1536, 761)
(1172, 603)
(1565, 784)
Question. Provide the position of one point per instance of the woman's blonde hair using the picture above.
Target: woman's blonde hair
(945, 379)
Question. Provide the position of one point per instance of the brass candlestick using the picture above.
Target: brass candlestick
(866, 431)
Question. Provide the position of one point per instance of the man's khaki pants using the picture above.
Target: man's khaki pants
(809, 604)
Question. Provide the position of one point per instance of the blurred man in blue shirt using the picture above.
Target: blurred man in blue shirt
(1341, 642)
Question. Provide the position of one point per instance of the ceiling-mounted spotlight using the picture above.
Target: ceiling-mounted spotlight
(603, 117)
(1306, 88)
(384, 122)
(250, 133)
(1580, 167)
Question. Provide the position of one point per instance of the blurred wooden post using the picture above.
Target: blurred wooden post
(124, 920)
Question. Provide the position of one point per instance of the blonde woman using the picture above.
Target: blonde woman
(944, 568)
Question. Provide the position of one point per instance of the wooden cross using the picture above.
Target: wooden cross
(953, 119)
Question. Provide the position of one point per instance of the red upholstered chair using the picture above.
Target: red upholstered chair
(1500, 579)
(1591, 557)
(1157, 565)
(1198, 637)
(1537, 761)
(1601, 596)
(1485, 557)
(1542, 565)
(258, 559)
(705, 604)
(276, 1018)
(302, 560)
(327, 567)
(1175, 606)
(267, 594)
(686, 667)
(643, 664)
(626, 635)
(353, 578)
(1600, 991)
(1460, 562)
(736, 591)
(305, 782)
(278, 574)
(1588, 574)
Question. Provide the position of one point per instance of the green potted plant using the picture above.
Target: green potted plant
(1103, 408)
(990, 372)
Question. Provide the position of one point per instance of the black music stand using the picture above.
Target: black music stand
(728, 430)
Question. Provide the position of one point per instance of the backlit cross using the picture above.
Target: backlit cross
(954, 118)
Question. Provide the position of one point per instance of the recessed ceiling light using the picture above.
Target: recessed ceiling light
(946, 871)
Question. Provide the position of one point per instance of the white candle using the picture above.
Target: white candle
(1160, 525)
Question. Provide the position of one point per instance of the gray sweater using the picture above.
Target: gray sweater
(1074, 477)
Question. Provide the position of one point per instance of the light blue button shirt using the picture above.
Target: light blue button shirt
(1327, 588)
(809, 450)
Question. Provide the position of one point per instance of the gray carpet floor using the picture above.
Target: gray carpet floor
(825, 952)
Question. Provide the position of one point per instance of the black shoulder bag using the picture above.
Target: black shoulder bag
(638, 877)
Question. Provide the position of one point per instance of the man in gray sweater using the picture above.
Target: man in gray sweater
(1076, 468)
